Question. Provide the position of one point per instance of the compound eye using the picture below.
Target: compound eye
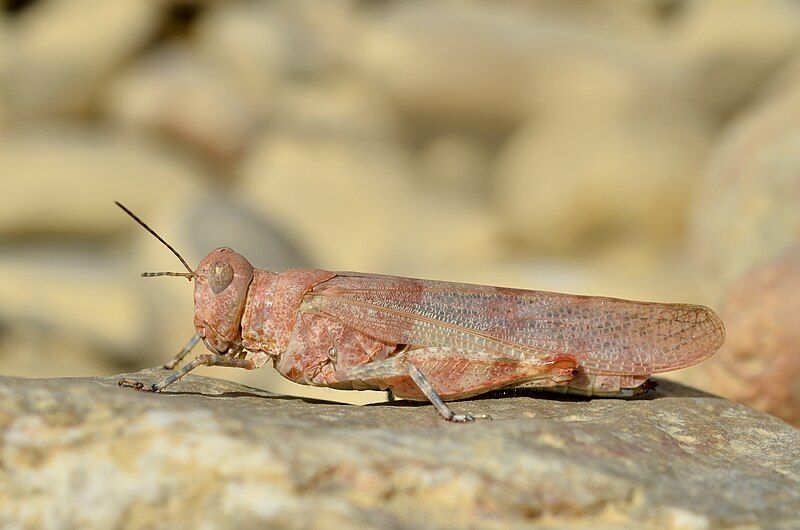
(220, 276)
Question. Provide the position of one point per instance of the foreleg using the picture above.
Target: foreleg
(185, 351)
(205, 359)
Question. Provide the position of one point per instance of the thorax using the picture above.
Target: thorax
(272, 307)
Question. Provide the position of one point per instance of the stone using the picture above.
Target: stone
(585, 174)
(440, 64)
(487, 69)
(83, 170)
(60, 53)
(249, 46)
(73, 292)
(5, 39)
(643, 21)
(201, 221)
(759, 365)
(336, 106)
(354, 205)
(456, 164)
(727, 50)
(745, 211)
(786, 82)
(84, 453)
(26, 351)
(261, 46)
(182, 95)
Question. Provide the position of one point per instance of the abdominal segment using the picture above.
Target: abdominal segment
(603, 385)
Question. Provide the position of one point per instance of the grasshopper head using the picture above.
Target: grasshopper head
(221, 282)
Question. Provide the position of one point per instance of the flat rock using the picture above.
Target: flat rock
(84, 453)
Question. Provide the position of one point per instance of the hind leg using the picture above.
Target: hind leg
(442, 374)
(446, 412)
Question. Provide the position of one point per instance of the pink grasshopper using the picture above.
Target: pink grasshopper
(431, 340)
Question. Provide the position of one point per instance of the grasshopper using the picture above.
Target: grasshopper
(429, 340)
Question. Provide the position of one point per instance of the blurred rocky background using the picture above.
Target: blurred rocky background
(642, 149)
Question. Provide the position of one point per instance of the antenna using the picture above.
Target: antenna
(188, 275)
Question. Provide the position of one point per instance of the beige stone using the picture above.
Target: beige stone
(760, 362)
(353, 206)
(5, 43)
(441, 63)
(456, 164)
(327, 29)
(586, 173)
(785, 82)
(63, 180)
(641, 20)
(27, 350)
(727, 49)
(182, 95)
(341, 106)
(79, 294)
(250, 45)
(483, 67)
(61, 52)
(746, 211)
(84, 453)
(262, 45)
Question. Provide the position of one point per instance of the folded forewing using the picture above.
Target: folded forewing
(605, 335)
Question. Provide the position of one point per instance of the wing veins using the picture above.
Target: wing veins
(644, 334)
(432, 321)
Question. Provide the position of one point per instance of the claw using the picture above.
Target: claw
(137, 385)
(170, 365)
(466, 418)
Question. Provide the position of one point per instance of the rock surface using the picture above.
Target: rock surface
(745, 210)
(84, 453)
(760, 362)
